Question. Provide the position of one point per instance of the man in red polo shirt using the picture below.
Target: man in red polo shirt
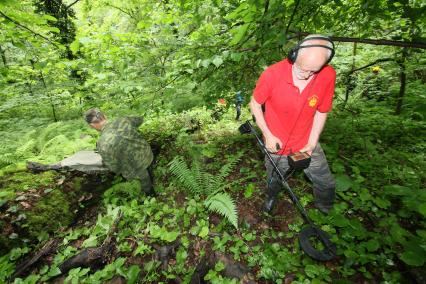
(297, 94)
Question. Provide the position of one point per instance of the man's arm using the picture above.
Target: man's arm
(317, 127)
(270, 140)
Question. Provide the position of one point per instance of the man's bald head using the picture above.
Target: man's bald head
(314, 57)
(312, 54)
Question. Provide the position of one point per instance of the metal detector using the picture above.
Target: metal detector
(310, 232)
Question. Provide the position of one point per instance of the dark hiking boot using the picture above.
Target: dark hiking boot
(268, 206)
(271, 195)
(37, 167)
(150, 192)
(325, 209)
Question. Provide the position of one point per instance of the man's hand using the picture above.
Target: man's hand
(271, 143)
(309, 148)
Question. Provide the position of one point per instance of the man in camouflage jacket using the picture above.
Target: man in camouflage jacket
(120, 149)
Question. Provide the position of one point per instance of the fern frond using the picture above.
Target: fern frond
(188, 178)
(229, 166)
(214, 184)
(223, 204)
(8, 159)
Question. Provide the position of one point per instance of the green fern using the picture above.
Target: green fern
(201, 183)
(224, 205)
(188, 178)
(8, 159)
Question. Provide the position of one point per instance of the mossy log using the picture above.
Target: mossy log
(33, 206)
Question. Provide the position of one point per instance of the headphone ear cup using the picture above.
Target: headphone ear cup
(331, 56)
(292, 55)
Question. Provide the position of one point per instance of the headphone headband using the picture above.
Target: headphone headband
(294, 51)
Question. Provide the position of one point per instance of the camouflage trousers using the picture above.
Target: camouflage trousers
(90, 162)
(318, 173)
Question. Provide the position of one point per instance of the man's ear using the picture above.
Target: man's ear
(92, 125)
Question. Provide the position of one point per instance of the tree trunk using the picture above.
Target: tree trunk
(402, 79)
(3, 56)
(50, 97)
(349, 77)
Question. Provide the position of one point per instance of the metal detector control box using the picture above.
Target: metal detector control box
(299, 160)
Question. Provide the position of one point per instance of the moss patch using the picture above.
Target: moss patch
(36, 205)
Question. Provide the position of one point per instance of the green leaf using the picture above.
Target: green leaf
(340, 221)
(248, 192)
(54, 272)
(413, 258)
(204, 232)
(132, 274)
(239, 34)
(236, 56)
(311, 270)
(217, 61)
(54, 30)
(343, 183)
(382, 203)
(75, 46)
(92, 241)
(219, 266)
(397, 190)
(422, 209)
(50, 18)
(372, 245)
(205, 63)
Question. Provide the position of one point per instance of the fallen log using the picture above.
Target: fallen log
(232, 269)
(50, 246)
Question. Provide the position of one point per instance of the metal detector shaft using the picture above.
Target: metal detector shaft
(283, 179)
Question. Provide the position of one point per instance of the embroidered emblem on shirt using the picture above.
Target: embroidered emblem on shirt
(313, 100)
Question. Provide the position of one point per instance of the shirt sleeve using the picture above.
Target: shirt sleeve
(327, 101)
(263, 90)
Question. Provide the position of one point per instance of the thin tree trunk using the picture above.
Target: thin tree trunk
(402, 79)
(349, 77)
(50, 97)
(3, 56)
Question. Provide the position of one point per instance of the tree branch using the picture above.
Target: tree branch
(72, 4)
(371, 64)
(26, 28)
(410, 44)
(122, 10)
(292, 16)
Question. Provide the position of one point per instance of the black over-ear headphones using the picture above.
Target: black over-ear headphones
(292, 55)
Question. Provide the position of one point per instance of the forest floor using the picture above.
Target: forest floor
(70, 227)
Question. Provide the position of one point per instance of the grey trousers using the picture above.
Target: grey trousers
(318, 173)
(86, 161)
(91, 162)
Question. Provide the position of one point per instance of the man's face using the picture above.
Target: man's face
(303, 73)
(96, 125)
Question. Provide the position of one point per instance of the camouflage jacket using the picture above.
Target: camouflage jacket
(123, 149)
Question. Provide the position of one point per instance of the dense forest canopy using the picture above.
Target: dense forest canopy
(179, 63)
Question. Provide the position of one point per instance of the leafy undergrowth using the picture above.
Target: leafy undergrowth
(377, 223)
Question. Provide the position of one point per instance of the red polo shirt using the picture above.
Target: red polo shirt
(289, 114)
